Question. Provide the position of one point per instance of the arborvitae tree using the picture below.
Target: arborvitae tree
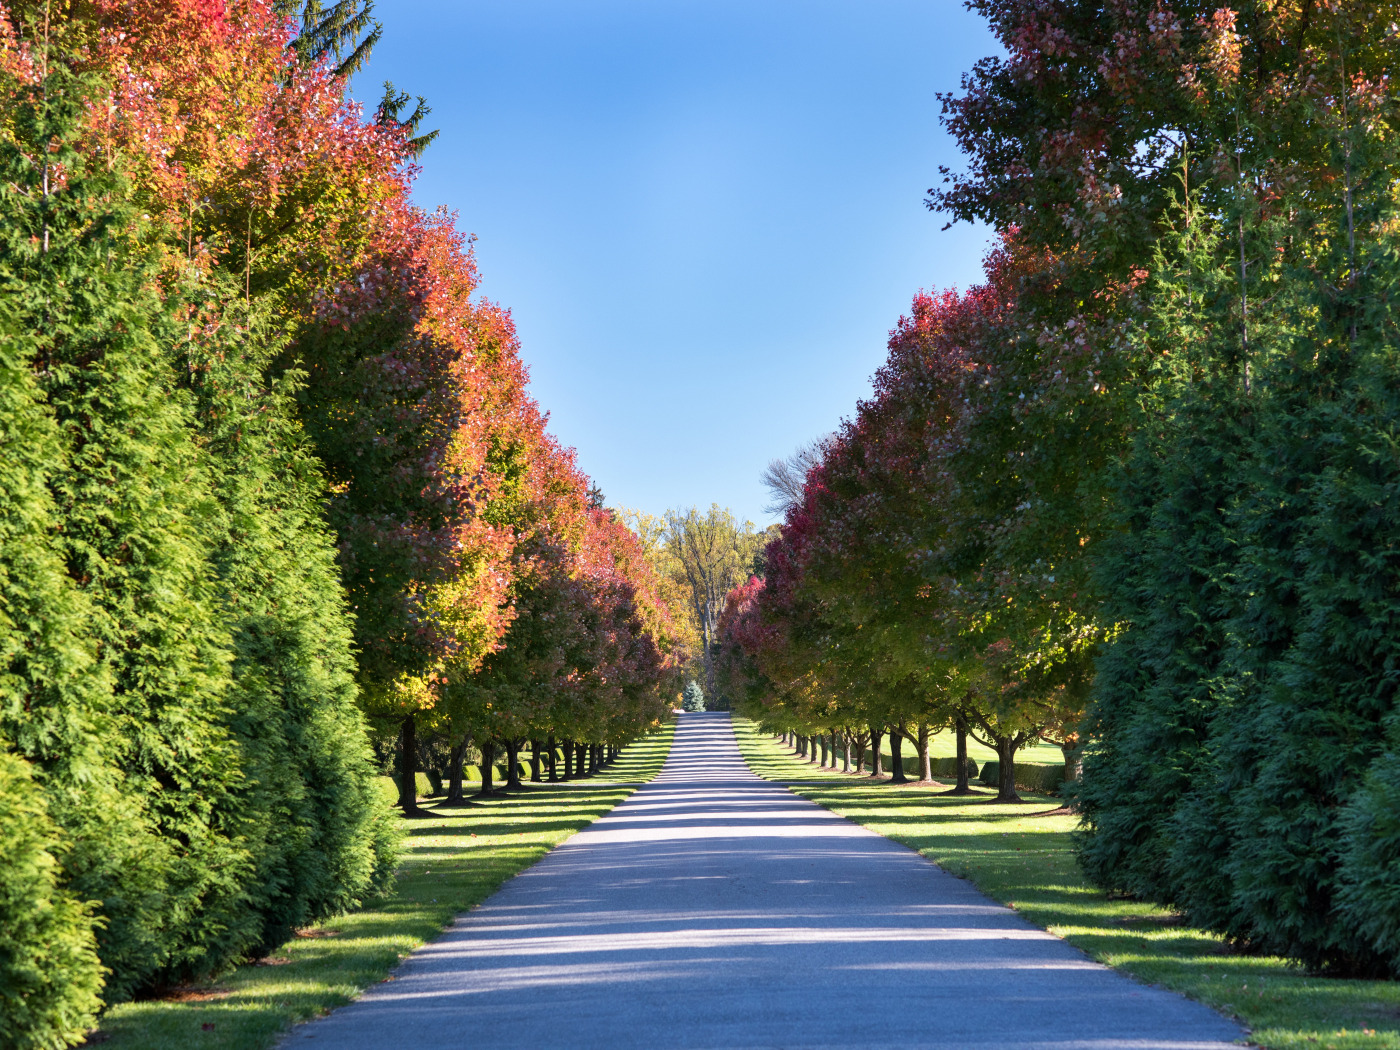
(49, 973)
(130, 491)
(1166, 571)
(1243, 730)
(309, 805)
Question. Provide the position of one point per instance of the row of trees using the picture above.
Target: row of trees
(1137, 489)
(269, 466)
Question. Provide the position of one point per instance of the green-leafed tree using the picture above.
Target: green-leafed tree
(712, 553)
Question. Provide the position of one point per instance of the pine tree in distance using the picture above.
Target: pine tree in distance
(694, 697)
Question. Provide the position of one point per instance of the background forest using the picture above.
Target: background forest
(1136, 493)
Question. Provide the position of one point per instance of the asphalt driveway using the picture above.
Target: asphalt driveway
(714, 909)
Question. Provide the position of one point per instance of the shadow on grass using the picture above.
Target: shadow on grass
(454, 858)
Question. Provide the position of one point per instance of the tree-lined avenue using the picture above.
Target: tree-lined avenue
(715, 909)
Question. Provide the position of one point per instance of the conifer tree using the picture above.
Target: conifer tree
(49, 973)
(309, 807)
(129, 486)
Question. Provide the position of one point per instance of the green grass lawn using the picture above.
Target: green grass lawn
(1021, 856)
(454, 859)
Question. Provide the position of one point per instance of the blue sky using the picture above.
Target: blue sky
(704, 217)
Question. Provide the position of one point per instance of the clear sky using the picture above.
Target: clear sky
(704, 216)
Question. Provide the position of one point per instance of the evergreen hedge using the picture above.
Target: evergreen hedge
(948, 767)
(175, 659)
(1242, 760)
(1040, 779)
(49, 973)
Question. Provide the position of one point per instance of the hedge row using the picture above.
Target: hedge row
(50, 977)
(1038, 779)
(948, 767)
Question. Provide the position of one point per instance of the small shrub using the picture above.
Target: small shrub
(389, 788)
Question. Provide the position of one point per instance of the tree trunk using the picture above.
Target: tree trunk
(535, 758)
(896, 761)
(876, 735)
(858, 742)
(846, 745)
(821, 744)
(553, 772)
(925, 763)
(1006, 778)
(960, 727)
(454, 772)
(801, 745)
(408, 766)
(1074, 758)
(513, 764)
(488, 767)
(579, 751)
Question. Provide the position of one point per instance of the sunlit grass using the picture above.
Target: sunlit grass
(1021, 856)
(945, 745)
(455, 858)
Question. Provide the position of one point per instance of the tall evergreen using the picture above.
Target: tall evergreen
(177, 655)
(131, 490)
(52, 690)
(1244, 729)
(310, 810)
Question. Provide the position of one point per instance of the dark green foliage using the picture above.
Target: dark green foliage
(49, 974)
(308, 800)
(1242, 759)
(1165, 572)
(948, 767)
(1369, 895)
(1039, 779)
(343, 33)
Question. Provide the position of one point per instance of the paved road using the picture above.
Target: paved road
(713, 909)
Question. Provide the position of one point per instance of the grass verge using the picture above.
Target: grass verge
(1021, 856)
(453, 860)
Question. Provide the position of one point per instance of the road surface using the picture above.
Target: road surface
(713, 909)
